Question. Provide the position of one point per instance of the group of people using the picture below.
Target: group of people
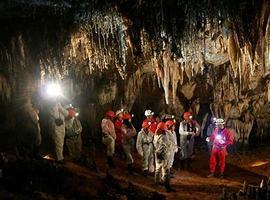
(66, 129)
(157, 143)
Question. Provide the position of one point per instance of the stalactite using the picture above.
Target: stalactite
(166, 80)
(233, 53)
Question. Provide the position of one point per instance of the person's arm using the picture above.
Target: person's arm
(112, 130)
(139, 144)
(63, 111)
(229, 137)
(197, 127)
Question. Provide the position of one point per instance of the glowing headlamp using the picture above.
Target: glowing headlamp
(218, 137)
(190, 117)
(76, 114)
(132, 115)
(173, 116)
(53, 90)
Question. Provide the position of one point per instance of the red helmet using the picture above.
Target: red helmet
(187, 115)
(170, 123)
(127, 116)
(110, 113)
(161, 126)
(146, 124)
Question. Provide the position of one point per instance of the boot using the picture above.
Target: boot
(110, 161)
(210, 175)
(130, 168)
(168, 186)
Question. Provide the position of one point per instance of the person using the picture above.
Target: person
(210, 131)
(73, 135)
(172, 141)
(28, 139)
(221, 138)
(58, 114)
(128, 133)
(118, 124)
(144, 146)
(109, 136)
(188, 129)
(152, 119)
(162, 151)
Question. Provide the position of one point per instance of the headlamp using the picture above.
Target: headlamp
(218, 137)
(76, 114)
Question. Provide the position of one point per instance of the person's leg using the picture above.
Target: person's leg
(212, 162)
(59, 142)
(151, 159)
(70, 147)
(145, 159)
(158, 171)
(222, 161)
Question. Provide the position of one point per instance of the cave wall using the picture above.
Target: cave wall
(112, 56)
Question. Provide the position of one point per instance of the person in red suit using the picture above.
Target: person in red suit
(220, 139)
(118, 124)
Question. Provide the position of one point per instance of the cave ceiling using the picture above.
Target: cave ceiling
(111, 47)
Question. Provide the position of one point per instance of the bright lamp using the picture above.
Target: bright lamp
(53, 90)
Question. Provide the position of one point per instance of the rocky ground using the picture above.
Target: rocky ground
(46, 180)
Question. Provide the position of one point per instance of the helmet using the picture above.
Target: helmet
(161, 126)
(220, 121)
(110, 113)
(146, 124)
(148, 113)
(127, 116)
(187, 115)
(170, 123)
(118, 112)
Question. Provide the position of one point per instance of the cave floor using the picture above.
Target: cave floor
(189, 184)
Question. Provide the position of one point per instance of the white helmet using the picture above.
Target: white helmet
(148, 113)
(118, 112)
(220, 121)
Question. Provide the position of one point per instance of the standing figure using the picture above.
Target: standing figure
(173, 142)
(109, 136)
(144, 146)
(73, 135)
(221, 138)
(118, 124)
(188, 129)
(210, 131)
(128, 133)
(28, 138)
(162, 151)
(58, 114)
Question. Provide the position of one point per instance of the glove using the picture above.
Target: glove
(207, 139)
(222, 142)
